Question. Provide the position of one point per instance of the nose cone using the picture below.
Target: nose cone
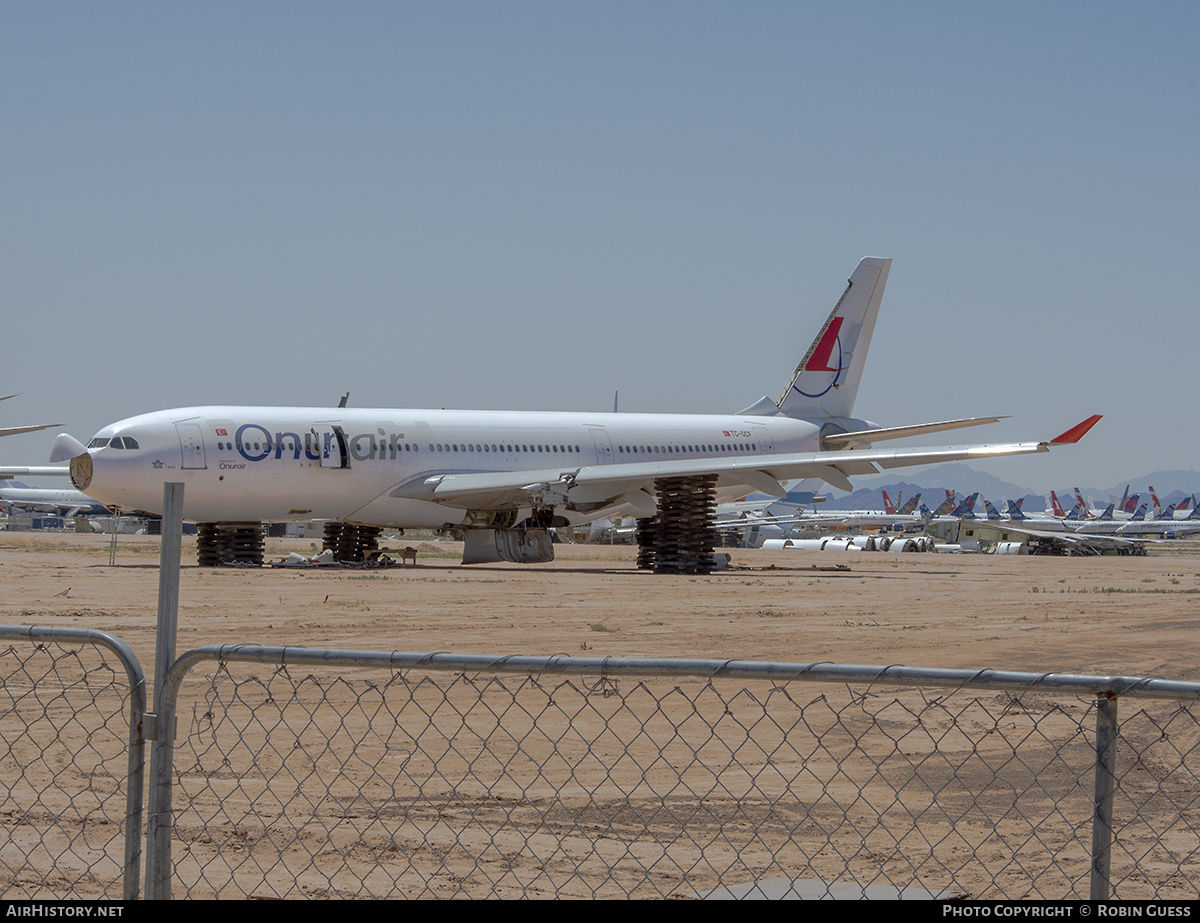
(81, 471)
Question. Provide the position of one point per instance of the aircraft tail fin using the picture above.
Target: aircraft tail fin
(804, 492)
(966, 509)
(1140, 515)
(910, 507)
(1014, 510)
(946, 505)
(1056, 505)
(888, 506)
(993, 514)
(826, 381)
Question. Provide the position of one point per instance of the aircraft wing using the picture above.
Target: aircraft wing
(43, 471)
(1081, 543)
(995, 532)
(15, 430)
(593, 487)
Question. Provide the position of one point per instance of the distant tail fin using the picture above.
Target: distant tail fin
(966, 509)
(1157, 505)
(826, 381)
(1056, 505)
(1014, 510)
(992, 513)
(911, 506)
(888, 506)
(1140, 515)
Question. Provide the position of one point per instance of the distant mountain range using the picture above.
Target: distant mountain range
(1171, 487)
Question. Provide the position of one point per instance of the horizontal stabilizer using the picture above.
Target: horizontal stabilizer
(842, 440)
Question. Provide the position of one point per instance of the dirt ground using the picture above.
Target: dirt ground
(1105, 615)
(1109, 615)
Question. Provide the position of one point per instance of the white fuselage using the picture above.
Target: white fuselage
(292, 463)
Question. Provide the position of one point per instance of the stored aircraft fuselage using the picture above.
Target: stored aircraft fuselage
(286, 464)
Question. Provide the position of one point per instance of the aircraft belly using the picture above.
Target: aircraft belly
(403, 513)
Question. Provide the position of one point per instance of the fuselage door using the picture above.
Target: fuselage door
(191, 442)
(762, 436)
(334, 448)
(604, 452)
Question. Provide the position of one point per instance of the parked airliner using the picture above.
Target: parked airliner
(506, 477)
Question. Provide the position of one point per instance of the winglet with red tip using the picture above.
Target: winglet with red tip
(1077, 432)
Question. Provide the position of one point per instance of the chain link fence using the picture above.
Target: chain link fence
(445, 776)
(72, 703)
(297, 773)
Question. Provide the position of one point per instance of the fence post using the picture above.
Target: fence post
(158, 815)
(1105, 785)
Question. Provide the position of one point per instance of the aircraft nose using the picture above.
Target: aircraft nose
(81, 471)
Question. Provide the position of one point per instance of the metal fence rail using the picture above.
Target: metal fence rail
(72, 763)
(452, 776)
(284, 772)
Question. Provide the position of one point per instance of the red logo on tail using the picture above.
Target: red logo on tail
(820, 357)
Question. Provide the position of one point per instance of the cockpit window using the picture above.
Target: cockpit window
(98, 443)
(130, 442)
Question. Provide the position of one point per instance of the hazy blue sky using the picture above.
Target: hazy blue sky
(531, 205)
